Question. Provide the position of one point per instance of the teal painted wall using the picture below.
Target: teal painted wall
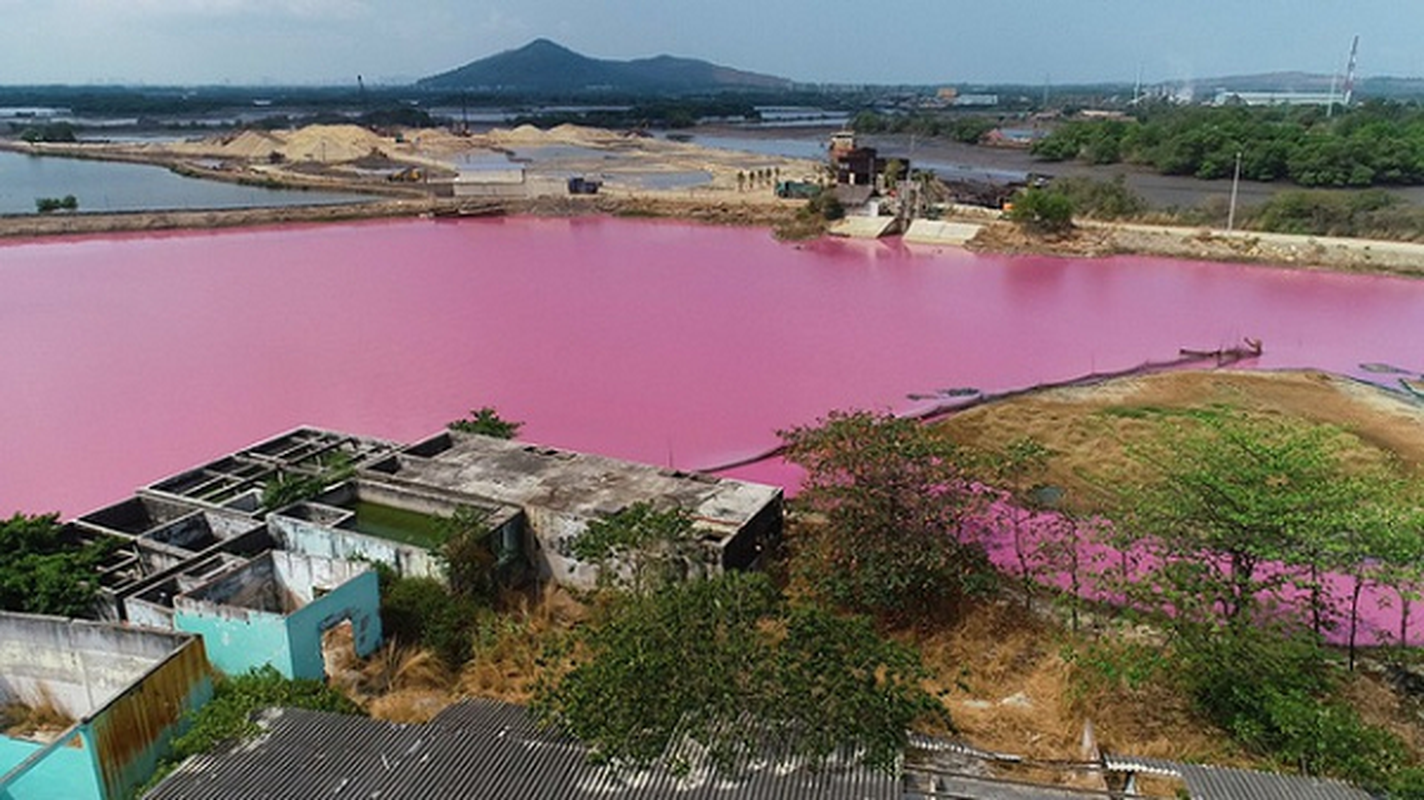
(358, 600)
(63, 773)
(240, 640)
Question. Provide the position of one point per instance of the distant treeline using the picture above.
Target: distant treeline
(661, 114)
(1377, 143)
(1366, 214)
(967, 128)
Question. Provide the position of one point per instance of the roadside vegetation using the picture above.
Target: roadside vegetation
(1363, 214)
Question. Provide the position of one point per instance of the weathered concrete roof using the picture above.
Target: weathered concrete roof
(475, 750)
(576, 484)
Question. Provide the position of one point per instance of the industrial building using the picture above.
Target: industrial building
(508, 182)
(558, 492)
(1225, 97)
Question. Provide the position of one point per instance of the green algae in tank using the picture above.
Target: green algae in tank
(397, 524)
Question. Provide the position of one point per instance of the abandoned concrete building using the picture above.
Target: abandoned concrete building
(241, 578)
(201, 552)
(558, 492)
(90, 707)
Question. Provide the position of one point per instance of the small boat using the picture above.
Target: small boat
(1414, 386)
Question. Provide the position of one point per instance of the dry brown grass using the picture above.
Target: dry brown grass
(1091, 441)
(409, 706)
(40, 718)
(507, 662)
(1379, 703)
(1010, 689)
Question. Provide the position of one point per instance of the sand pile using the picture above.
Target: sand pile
(329, 143)
(251, 144)
(530, 136)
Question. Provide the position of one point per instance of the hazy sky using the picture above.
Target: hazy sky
(921, 41)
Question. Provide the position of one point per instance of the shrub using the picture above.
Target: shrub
(660, 668)
(1042, 211)
(1101, 199)
(423, 611)
(487, 422)
(1270, 692)
(47, 205)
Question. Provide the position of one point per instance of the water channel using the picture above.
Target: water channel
(115, 186)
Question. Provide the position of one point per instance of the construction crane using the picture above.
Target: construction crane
(1349, 80)
(1350, 71)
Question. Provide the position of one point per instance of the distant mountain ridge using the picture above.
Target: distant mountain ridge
(543, 66)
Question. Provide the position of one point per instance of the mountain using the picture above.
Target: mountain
(545, 67)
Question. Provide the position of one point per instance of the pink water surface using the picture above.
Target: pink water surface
(126, 358)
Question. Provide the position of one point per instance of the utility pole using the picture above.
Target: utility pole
(1235, 183)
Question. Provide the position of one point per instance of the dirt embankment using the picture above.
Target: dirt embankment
(1090, 433)
(1090, 239)
(709, 212)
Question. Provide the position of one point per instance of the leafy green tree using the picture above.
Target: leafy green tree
(43, 573)
(487, 422)
(1018, 472)
(892, 499)
(48, 205)
(1042, 211)
(290, 487)
(1111, 199)
(1233, 494)
(726, 663)
(640, 547)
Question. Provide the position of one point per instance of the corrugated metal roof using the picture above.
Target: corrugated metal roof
(1222, 783)
(472, 751)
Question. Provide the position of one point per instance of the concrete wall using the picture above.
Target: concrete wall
(359, 600)
(549, 545)
(129, 690)
(323, 593)
(313, 539)
(237, 639)
(81, 664)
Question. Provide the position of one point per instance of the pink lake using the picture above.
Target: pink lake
(126, 358)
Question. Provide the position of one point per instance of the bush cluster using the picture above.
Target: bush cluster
(1379, 142)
